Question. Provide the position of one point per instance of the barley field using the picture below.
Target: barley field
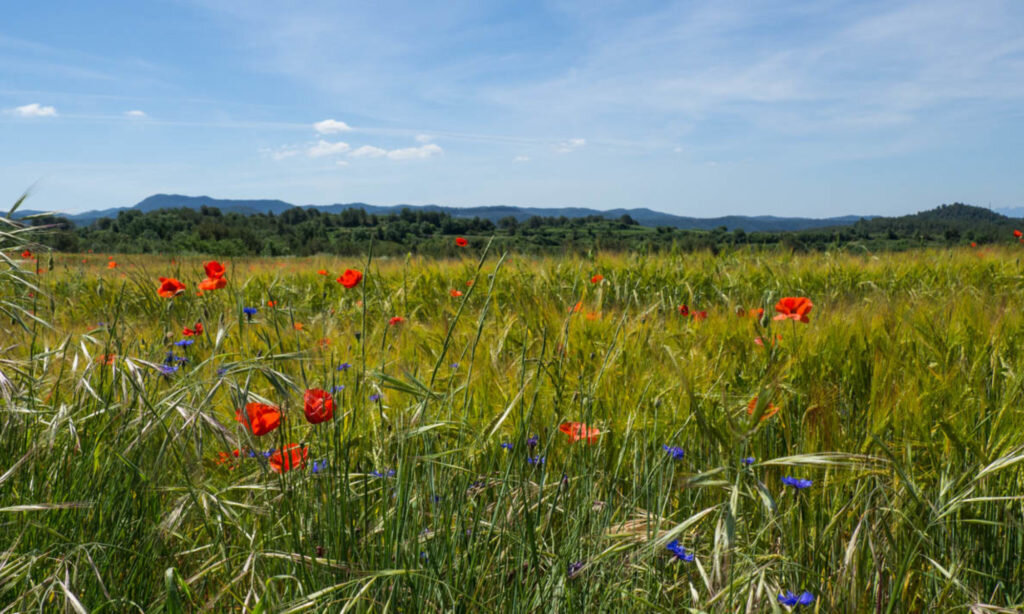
(504, 433)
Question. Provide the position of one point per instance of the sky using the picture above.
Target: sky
(751, 107)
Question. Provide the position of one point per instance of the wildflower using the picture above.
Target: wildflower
(596, 279)
(455, 293)
(396, 320)
(318, 406)
(675, 452)
(388, 473)
(531, 443)
(317, 467)
(375, 397)
(760, 341)
(212, 283)
(797, 483)
(111, 265)
(249, 312)
(789, 599)
(170, 287)
(344, 366)
(684, 310)
(271, 303)
(222, 371)
(454, 365)
(26, 254)
(794, 308)
(350, 278)
(1016, 233)
(469, 283)
(769, 411)
(974, 244)
(574, 569)
(750, 460)
(214, 269)
(321, 272)
(507, 446)
(679, 551)
(168, 370)
(292, 455)
(536, 460)
(106, 359)
(578, 430)
(259, 417)
(699, 315)
(577, 307)
(337, 389)
(461, 242)
(297, 326)
(198, 330)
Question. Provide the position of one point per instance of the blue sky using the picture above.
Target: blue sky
(695, 108)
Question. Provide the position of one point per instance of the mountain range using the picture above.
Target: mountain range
(644, 216)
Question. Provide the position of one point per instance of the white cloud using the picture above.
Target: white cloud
(415, 153)
(34, 110)
(424, 138)
(570, 145)
(521, 159)
(331, 126)
(326, 148)
(281, 153)
(135, 113)
(369, 151)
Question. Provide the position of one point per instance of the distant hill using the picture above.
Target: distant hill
(644, 216)
(949, 220)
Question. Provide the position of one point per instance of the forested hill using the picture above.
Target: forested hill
(302, 231)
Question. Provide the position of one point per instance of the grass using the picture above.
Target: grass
(901, 400)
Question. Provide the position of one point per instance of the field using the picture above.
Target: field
(900, 400)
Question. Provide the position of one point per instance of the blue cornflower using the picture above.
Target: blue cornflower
(387, 474)
(337, 389)
(675, 452)
(184, 342)
(344, 366)
(169, 359)
(507, 446)
(375, 397)
(750, 460)
(168, 369)
(268, 453)
(574, 568)
(101, 324)
(436, 499)
(249, 312)
(536, 460)
(680, 552)
(317, 467)
(222, 371)
(797, 483)
(252, 453)
(788, 598)
(454, 365)
(532, 442)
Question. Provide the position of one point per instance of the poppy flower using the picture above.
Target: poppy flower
(111, 265)
(753, 313)
(263, 418)
(214, 269)
(396, 320)
(106, 359)
(291, 456)
(324, 342)
(1016, 233)
(578, 430)
(770, 411)
(760, 341)
(212, 283)
(469, 283)
(699, 315)
(794, 308)
(318, 406)
(271, 303)
(461, 242)
(596, 279)
(170, 287)
(350, 278)
(576, 308)
(684, 310)
(321, 272)
(455, 293)
(28, 254)
(297, 326)
(973, 244)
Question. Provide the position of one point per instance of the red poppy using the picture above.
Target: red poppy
(794, 308)
(297, 326)
(455, 293)
(973, 244)
(396, 320)
(271, 303)
(110, 257)
(699, 315)
(198, 330)
(760, 341)
(26, 254)
(263, 418)
(684, 310)
(214, 269)
(106, 359)
(577, 307)
(579, 430)
(461, 242)
(1016, 233)
(321, 272)
(318, 406)
(769, 411)
(111, 265)
(350, 278)
(212, 283)
(170, 287)
(596, 279)
(290, 457)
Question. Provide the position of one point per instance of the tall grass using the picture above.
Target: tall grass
(901, 400)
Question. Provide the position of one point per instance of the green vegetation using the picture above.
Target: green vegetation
(304, 232)
(900, 399)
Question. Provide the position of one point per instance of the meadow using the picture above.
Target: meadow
(866, 460)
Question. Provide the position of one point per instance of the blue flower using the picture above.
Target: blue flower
(454, 365)
(375, 397)
(750, 460)
(436, 499)
(337, 389)
(574, 568)
(222, 371)
(507, 446)
(675, 452)
(319, 466)
(387, 474)
(268, 453)
(184, 342)
(797, 483)
(249, 311)
(679, 551)
(344, 366)
(788, 598)
(168, 369)
(536, 460)
(532, 442)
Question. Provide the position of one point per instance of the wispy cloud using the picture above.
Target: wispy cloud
(570, 145)
(135, 114)
(34, 110)
(406, 153)
(326, 148)
(331, 126)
